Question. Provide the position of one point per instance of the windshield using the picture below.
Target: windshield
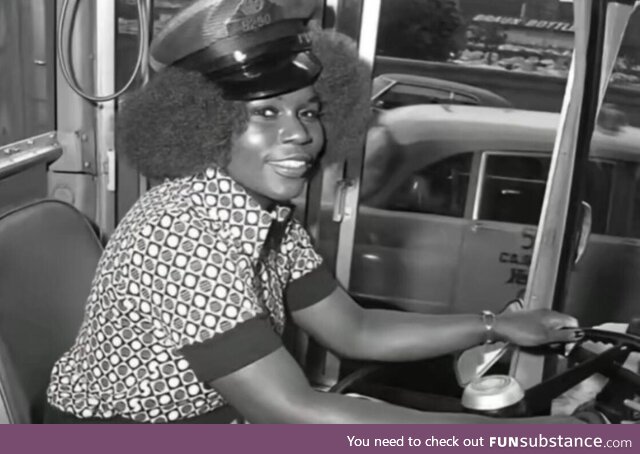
(504, 46)
(452, 192)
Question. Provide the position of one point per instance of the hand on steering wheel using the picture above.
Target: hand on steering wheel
(537, 327)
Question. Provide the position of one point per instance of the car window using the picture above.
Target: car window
(598, 194)
(513, 189)
(630, 208)
(406, 95)
(439, 188)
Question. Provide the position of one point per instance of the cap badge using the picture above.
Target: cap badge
(252, 15)
(249, 7)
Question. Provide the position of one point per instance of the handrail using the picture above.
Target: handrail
(18, 156)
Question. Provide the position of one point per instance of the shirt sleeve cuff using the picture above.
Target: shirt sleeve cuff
(310, 289)
(228, 352)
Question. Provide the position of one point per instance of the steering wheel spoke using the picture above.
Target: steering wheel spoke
(624, 384)
(540, 396)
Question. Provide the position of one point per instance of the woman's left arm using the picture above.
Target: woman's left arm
(344, 327)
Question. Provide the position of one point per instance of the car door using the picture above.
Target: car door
(407, 247)
(498, 244)
(497, 248)
(604, 284)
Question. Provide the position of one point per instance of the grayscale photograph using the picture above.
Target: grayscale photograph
(320, 212)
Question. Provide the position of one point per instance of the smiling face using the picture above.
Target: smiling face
(274, 155)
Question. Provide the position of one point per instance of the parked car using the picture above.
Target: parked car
(450, 201)
(396, 90)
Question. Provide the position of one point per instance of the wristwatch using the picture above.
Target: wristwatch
(489, 320)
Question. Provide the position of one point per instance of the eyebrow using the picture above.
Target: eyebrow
(315, 99)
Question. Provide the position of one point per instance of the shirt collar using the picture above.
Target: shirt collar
(235, 208)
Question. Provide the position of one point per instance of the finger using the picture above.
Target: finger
(568, 348)
(570, 322)
(564, 321)
(565, 335)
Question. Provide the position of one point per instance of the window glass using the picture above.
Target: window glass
(598, 194)
(513, 189)
(440, 188)
(617, 133)
(127, 36)
(518, 49)
(27, 59)
(626, 203)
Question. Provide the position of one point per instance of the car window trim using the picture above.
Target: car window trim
(483, 170)
(384, 90)
(610, 214)
(424, 92)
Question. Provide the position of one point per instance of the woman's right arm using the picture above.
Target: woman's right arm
(274, 390)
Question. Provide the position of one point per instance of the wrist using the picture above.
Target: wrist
(495, 327)
(500, 328)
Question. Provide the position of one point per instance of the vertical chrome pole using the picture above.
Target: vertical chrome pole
(328, 372)
(143, 182)
(353, 168)
(105, 14)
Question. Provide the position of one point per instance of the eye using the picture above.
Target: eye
(311, 114)
(265, 112)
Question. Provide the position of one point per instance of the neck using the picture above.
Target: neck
(265, 202)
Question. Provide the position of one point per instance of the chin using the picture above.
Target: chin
(287, 191)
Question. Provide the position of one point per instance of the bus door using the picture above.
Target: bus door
(56, 130)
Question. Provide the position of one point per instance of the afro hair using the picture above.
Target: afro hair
(179, 124)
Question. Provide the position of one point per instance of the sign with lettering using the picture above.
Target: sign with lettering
(525, 23)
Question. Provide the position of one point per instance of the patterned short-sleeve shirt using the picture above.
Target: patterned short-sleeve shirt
(186, 292)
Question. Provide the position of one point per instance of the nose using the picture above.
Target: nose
(293, 130)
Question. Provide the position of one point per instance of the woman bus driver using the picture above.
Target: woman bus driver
(192, 292)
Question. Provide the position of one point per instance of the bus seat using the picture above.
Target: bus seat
(48, 255)
(14, 408)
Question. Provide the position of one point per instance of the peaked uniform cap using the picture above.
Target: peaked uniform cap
(207, 22)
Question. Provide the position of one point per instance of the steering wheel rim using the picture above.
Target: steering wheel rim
(540, 396)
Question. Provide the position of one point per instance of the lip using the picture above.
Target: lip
(295, 166)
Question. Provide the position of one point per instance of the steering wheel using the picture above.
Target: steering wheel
(618, 399)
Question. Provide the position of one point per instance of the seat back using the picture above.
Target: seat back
(14, 407)
(48, 255)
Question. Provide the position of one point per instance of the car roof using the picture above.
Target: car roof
(458, 128)
(414, 137)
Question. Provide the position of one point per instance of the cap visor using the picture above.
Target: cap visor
(273, 75)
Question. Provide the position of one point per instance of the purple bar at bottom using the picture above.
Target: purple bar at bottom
(318, 439)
